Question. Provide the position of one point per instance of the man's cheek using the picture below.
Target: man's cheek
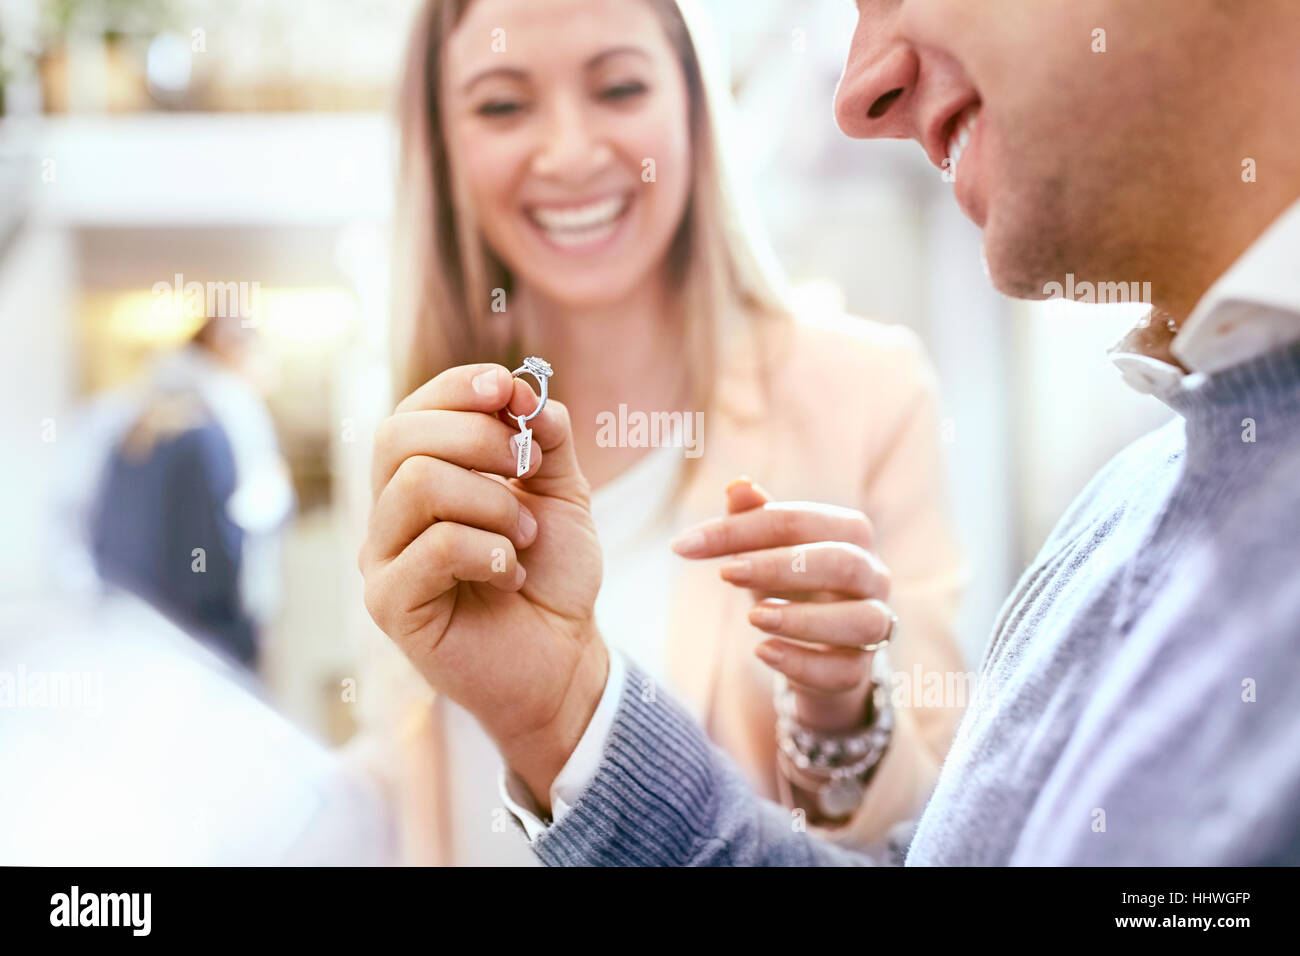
(943, 24)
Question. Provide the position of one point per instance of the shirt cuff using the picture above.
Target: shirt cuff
(578, 771)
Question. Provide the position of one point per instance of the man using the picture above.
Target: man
(1143, 680)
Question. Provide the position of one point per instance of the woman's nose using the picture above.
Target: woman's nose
(570, 149)
(872, 100)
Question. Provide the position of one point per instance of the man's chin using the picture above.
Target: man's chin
(1019, 269)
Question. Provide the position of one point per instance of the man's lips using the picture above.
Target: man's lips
(952, 140)
(942, 125)
(969, 156)
(963, 128)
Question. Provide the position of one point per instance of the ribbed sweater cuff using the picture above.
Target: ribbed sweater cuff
(653, 795)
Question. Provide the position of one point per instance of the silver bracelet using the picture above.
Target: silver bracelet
(836, 767)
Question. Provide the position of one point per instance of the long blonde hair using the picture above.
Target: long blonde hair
(717, 264)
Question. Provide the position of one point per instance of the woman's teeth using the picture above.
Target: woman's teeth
(576, 225)
(961, 133)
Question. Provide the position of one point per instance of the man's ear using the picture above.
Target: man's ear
(743, 495)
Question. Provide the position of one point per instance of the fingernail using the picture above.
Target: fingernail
(768, 617)
(485, 383)
(520, 574)
(771, 656)
(692, 542)
(737, 571)
(527, 523)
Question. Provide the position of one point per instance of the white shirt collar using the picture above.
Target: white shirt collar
(1253, 308)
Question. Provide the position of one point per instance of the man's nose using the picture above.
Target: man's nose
(875, 96)
(570, 150)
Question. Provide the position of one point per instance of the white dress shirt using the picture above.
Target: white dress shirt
(1250, 310)
(634, 523)
(1253, 308)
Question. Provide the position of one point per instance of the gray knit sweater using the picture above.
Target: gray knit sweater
(1139, 701)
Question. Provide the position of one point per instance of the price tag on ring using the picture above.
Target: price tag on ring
(539, 369)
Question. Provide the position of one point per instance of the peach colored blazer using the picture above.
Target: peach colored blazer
(852, 419)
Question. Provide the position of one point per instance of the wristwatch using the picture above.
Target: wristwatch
(834, 768)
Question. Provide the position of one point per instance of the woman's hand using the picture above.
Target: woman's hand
(488, 583)
(820, 592)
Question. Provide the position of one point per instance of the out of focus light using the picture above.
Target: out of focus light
(301, 316)
(142, 318)
(301, 330)
(169, 66)
(312, 317)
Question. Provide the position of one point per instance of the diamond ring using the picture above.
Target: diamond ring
(539, 369)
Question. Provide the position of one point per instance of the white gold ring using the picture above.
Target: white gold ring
(870, 648)
(539, 369)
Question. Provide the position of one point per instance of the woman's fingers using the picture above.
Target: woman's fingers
(774, 525)
(425, 490)
(743, 495)
(824, 670)
(841, 623)
(814, 550)
(399, 592)
(821, 566)
(830, 684)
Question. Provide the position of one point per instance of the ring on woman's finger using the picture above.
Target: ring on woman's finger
(889, 633)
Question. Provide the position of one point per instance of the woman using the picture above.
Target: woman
(563, 196)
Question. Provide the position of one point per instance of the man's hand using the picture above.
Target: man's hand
(488, 583)
(820, 592)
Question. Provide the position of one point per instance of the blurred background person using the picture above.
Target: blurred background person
(193, 494)
(525, 181)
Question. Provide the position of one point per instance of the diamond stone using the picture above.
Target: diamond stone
(538, 366)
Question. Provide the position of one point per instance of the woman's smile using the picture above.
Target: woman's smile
(582, 226)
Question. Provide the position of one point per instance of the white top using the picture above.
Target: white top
(633, 520)
(634, 525)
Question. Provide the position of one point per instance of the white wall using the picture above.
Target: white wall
(1073, 411)
(37, 378)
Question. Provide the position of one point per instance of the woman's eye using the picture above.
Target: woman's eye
(499, 108)
(622, 91)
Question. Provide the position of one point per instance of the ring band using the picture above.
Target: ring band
(539, 369)
(884, 641)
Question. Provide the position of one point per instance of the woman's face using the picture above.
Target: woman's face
(568, 122)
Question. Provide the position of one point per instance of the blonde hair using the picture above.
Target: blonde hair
(717, 262)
